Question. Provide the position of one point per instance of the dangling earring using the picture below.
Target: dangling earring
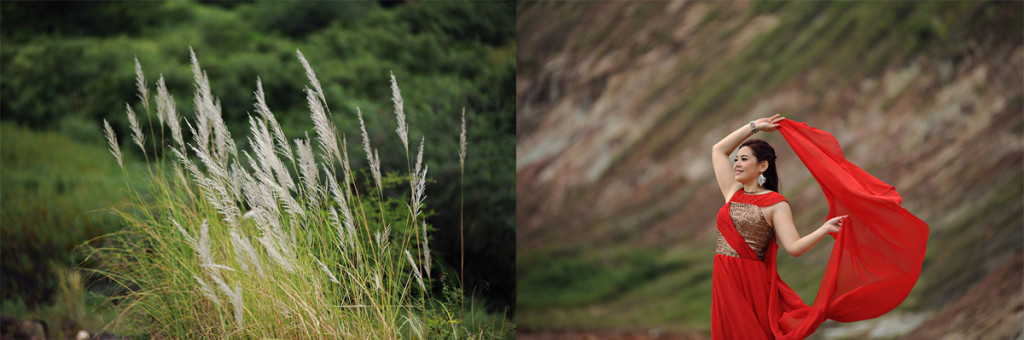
(761, 179)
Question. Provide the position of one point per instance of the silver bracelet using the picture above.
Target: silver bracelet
(752, 128)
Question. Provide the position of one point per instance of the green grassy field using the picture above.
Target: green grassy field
(56, 193)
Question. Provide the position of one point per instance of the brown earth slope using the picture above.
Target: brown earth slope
(993, 309)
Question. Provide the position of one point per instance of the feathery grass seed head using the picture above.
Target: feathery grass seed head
(207, 291)
(308, 171)
(362, 128)
(244, 247)
(336, 192)
(112, 140)
(325, 269)
(345, 164)
(166, 111)
(267, 163)
(415, 270)
(426, 249)
(136, 131)
(312, 76)
(396, 98)
(371, 157)
(323, 126)
(264, 111)
(275, 251)
(342, 239)
(384, 240)
(203, 243)
(419, 182)
(188, 238)
(140, 84)
(375, 170)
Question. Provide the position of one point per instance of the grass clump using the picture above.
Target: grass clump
(281, 240)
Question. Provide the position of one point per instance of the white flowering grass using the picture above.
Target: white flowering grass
(228, 244)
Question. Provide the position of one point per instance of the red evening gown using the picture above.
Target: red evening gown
(875, 261)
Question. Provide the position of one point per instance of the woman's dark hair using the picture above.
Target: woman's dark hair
(765, 152)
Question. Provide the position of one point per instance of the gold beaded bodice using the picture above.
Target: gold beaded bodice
(752, 225)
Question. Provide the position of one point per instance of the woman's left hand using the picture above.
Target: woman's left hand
(768, 124)
(834, 224)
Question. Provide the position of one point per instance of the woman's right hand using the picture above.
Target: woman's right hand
(768, 124)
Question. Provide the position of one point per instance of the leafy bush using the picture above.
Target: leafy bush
(299, 18)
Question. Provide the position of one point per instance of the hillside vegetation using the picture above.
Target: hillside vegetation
(618, 105)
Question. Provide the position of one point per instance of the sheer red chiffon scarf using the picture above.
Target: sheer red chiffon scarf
(877, 255)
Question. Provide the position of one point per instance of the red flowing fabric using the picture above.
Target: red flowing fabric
(878, 253)
(875, 262)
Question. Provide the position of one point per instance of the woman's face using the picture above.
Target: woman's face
(746, 167)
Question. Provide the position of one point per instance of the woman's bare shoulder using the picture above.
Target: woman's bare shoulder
(771, 210)
(777, 206)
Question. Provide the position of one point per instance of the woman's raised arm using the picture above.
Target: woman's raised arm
(721, 151)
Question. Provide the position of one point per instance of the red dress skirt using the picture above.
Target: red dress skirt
(875, 262)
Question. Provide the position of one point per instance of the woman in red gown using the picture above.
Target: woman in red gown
(875, 262)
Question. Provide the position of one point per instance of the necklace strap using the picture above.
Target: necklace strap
(754, 192)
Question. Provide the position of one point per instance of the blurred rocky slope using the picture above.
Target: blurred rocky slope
(619, 103)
